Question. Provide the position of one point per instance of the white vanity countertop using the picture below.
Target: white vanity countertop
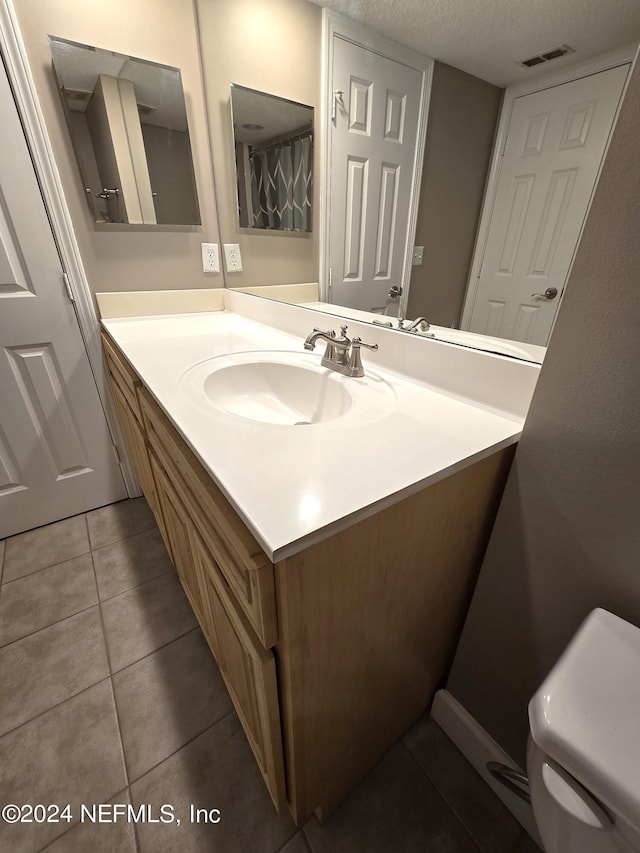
(294, 486)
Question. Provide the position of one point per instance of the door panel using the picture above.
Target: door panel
(56, 456)
(552, 156)
(373, 148)
(44, 397)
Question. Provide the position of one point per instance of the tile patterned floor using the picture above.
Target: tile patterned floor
(108, 694)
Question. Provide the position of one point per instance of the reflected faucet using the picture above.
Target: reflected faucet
(420, 325)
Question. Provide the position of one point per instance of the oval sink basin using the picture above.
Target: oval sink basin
(284, 388)
(276, 393)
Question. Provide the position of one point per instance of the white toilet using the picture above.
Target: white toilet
(583, 758)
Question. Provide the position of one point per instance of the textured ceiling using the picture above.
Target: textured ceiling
(488, 38)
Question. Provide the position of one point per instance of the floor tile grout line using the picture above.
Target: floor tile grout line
(152, 652)
(442, 796)
(46, 524)
(75, 825)
(109, 667)
(450, 803)
(102, 625)
(119, 724)
(49, 625)
(307, 840)
(58, 837)
(181, 747)
(44, 568)
(85, 513)
(129, 588)
(73, 557)
(57, 705)
(142, 583)
(110, 544)
(136, 837)
(300, 830)
(163, 646)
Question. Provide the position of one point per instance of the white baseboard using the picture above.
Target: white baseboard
(478, 747)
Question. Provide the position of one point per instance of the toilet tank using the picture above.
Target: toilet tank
(586, 716)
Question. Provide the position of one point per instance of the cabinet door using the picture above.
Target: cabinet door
(136, 443)
(248, 669)
(135, 440)
(245, 567)
(178, 527)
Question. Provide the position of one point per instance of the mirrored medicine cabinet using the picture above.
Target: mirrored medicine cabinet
(128, 125)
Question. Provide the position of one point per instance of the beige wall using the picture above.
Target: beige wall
(463, 113)
(567, 536)
(274, 47)
(162, 31)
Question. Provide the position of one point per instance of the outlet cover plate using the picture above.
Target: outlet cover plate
(232, 257)
(210, 257)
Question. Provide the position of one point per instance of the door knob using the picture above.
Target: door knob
(550, 293)
(395, 291)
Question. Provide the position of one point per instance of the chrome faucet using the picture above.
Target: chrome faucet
(341, 354)
(419, 325)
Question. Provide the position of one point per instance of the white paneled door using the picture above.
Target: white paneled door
(551, 159)
(376, 104)
(56, 455)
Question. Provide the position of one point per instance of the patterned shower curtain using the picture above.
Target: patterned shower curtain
(282, 185)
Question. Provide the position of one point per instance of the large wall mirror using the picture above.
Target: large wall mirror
(128, 126)
(402, 233)
(273, 144)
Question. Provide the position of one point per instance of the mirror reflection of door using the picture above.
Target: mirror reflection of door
(553, 152)
(374, 140)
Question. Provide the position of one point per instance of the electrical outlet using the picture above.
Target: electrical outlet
(232, 257)
(210, 257)
(418, 255)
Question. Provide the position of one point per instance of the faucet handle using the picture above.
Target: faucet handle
(329, 332)
(354, 365)
(358, 342)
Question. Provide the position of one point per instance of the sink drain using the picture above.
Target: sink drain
(302, 423)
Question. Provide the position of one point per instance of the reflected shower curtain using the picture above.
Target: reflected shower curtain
(282, 185)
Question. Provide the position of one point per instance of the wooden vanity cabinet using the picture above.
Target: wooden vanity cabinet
(247, 667)
(125, 384)
(249, 671)
(244, 565)
(330, 654)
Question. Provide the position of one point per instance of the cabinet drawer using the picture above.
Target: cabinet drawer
(124, 377)
(245, 567)
(249, 670)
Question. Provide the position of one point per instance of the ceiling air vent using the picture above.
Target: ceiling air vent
(547, 56)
